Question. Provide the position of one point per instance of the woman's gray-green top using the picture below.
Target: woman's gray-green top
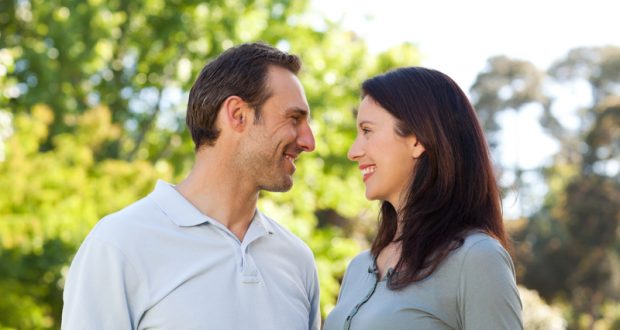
(474, 288)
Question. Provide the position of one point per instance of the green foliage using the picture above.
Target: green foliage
(538, 315)
(506, 84)
(53, 199)
(568, 249)
(96, 91)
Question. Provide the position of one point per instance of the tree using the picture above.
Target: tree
(55, 197)
(97, 93)
(537, 315)
(567, 249)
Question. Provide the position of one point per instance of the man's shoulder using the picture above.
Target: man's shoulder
(127, 221)
(286, 235)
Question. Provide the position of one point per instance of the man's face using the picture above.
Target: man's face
(274, 142)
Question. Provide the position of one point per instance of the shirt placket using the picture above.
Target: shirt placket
(349, 319)
(249, 270)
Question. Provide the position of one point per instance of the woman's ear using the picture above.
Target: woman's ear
(417, 149)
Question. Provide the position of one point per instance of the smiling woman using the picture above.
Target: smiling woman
(439, 259)
(385, 157)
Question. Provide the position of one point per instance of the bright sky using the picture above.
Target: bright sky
(457, 37)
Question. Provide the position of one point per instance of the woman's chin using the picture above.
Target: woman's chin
(371, 197)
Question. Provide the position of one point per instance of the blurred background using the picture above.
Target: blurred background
(92, 106)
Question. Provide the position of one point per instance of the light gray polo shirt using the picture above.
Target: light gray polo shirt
(160, 263)
(473, 289)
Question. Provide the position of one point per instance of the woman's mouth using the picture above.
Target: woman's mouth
(367, 171)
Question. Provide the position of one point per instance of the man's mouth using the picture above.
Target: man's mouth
(291, 158)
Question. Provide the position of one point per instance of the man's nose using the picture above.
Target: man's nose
(305, 140)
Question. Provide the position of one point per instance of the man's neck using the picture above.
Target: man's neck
(217, 191)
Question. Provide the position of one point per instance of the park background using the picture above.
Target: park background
(93, 96)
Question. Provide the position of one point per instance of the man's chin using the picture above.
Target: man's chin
(283, 185)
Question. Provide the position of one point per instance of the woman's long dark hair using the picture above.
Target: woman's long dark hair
(453, 188)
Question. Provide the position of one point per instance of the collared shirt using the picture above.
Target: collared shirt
(161, 263)
(473, 288)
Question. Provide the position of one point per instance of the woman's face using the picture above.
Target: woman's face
(385, 158)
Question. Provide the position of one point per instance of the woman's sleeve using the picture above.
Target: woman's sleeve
(488, 297)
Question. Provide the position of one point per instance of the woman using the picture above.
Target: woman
(439, 259)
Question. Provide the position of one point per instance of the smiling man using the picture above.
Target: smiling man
(199, 255)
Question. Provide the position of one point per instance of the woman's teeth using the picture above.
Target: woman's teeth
(369, 170)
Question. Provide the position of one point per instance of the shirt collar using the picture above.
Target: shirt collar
(185, 214)
(176, 207)
(261, 220)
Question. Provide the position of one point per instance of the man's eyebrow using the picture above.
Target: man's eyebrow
(299, 111)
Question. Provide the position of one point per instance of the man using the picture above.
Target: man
(199, 255)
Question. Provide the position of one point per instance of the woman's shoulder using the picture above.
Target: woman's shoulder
(479, 240)
(359, 267)
(363, 260)
(481, 250)
(487, 293)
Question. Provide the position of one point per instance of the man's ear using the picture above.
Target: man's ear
(417, 149)
(237, 112)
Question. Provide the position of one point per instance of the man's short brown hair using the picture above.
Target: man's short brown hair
(240, 71)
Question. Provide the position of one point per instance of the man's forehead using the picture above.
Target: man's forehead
(285, 88)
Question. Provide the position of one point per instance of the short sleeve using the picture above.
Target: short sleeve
(314, 321)
(102, 289)
(488, 297)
